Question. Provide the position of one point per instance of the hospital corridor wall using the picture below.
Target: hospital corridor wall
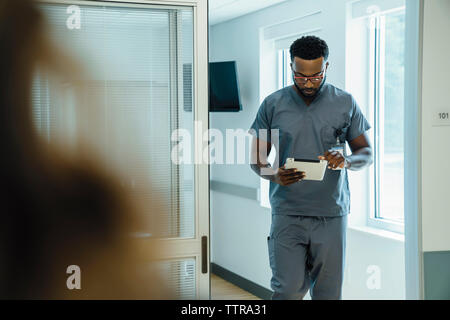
(435, 212)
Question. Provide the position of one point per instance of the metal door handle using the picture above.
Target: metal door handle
(204, 254)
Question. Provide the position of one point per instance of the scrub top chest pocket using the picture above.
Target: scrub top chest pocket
(334, 137)
(330, 135)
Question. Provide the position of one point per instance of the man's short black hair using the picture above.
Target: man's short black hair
(309, 48)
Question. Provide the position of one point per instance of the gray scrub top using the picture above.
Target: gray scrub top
(306, 132)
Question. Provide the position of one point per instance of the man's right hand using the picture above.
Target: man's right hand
(287, 177)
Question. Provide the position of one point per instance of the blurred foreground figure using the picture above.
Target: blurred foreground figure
(58, 210)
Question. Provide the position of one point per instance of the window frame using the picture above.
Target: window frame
(376, 58)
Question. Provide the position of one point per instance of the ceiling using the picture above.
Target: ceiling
(223, 10)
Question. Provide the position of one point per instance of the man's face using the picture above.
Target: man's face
(309, 68)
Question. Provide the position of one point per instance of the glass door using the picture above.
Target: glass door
(147, 75)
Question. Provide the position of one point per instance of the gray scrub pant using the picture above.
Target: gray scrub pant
(307, 253)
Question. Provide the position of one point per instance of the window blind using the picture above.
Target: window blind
(133, 57)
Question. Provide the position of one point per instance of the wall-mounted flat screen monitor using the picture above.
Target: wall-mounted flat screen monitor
(224, 87)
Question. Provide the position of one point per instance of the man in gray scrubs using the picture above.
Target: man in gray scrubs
(309, 218)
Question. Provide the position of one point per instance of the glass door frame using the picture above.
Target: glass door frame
(197, 247)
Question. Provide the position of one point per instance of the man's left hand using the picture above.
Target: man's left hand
(335, 159)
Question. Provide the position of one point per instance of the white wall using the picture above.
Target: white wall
(435, 139)
(239, 226)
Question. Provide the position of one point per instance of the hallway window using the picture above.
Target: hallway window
(374, 75)
(386, 101)
(284, 68)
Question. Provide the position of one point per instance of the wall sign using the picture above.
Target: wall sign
(441, 117)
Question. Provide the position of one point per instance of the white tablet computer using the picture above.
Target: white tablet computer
(314, 169)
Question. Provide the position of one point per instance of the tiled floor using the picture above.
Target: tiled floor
(224, 290)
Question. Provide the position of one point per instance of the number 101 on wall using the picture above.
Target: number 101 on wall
(441, 118)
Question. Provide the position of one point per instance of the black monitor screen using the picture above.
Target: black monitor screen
(223, 87)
